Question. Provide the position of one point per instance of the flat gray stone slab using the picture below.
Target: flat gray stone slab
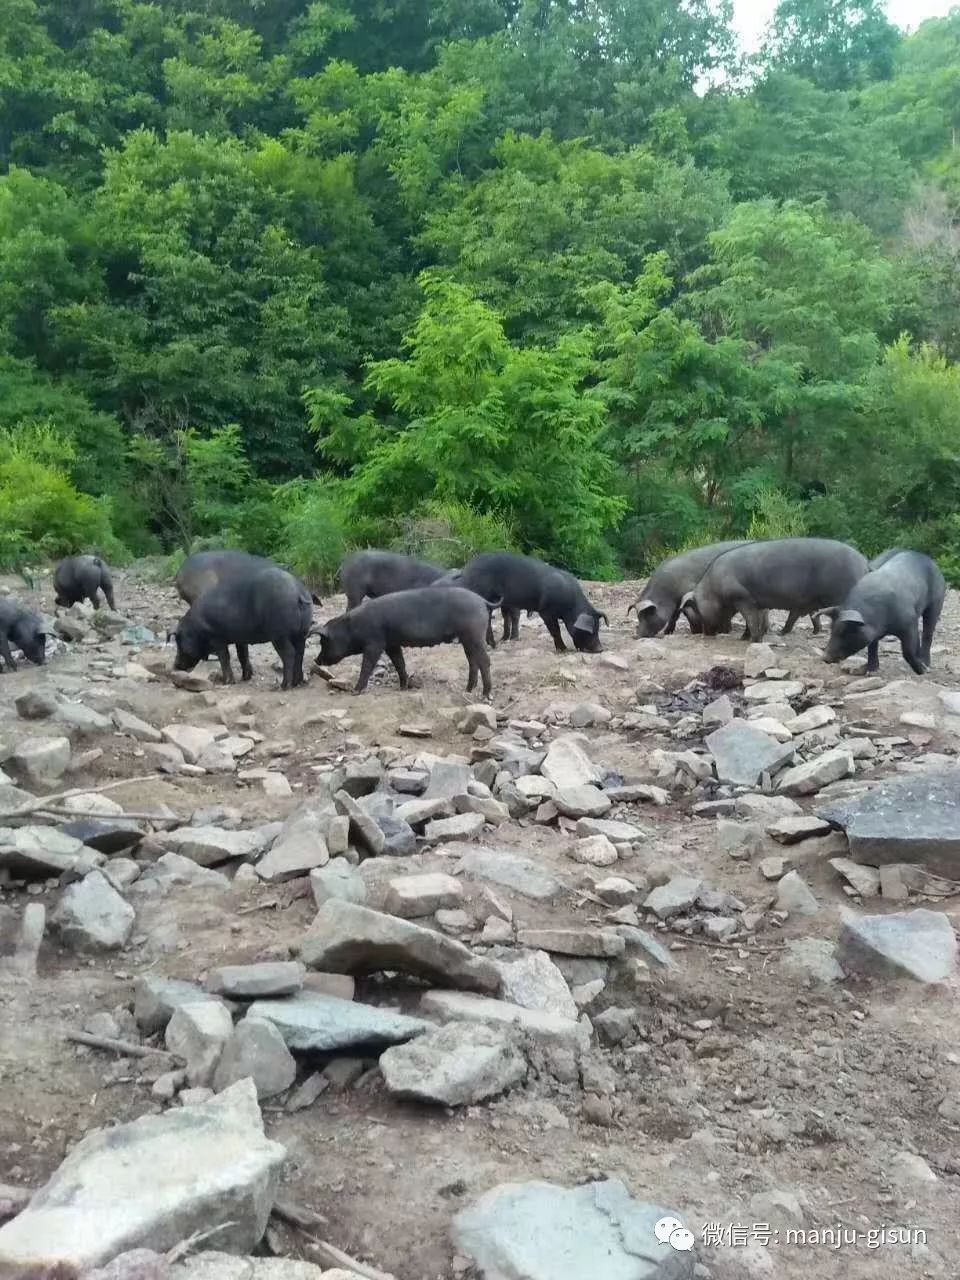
(152, 1183)
(511, 871)
(324, 1023)
(347, 938)
(456, 1065)
(538, 1231)
(916, 944)
(742, 752)
(914, 818)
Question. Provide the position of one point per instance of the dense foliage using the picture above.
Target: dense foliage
(467, 273)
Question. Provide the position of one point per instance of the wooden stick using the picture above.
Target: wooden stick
(183, 1248)
(126, 1047)
(303, 1219)
(44, 802)
(58, 812)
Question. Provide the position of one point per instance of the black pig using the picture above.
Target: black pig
(415, 619)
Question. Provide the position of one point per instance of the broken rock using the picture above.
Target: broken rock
(152, 1183)
(793, 829)
(742, 752)
(534, 982)
(913, 819)
(794, 896)
(566, 764)
(310, 1021)
(347, 938)
(511, 871)
(673, 898)
(209, 846)
(805, 779)
(411, 897)
(339, 882)
(256, 1049)
(92, 916)
(457, 1065)
(546, 1028)
(252, 981)
(574, 942)
(197, 1033)
(916, 944)
(41, 760)
(539, 1231)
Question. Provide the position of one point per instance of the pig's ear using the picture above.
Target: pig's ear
(585, 623)
(853, 617)
(689, 606)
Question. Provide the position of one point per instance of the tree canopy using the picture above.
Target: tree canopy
(583, 280)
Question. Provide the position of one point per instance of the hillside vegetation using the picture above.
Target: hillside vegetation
(451, 274)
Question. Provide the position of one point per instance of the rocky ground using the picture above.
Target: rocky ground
(677, 919)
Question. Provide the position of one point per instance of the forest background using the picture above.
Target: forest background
(570, 276)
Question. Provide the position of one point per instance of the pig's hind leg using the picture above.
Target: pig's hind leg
(399, 665)
(931, 616)
(243, 657)
(910, 648)
(226, 671)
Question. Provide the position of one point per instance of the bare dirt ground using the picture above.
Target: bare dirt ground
(742, 1078)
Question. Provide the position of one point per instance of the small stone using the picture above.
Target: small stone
(907, 1168)
(791, 830)
(773, 868)
(676, 896)
(306, 1094)
(617, 832)
(363, 827)
(916, 944)
(509, 869)
(544, 1027)
(740, 840)
(191, 681)
(276, 785)
(617, 891)
(448, 778)
(456, 1065)
(719, 927)
(464, 826)
(256, 1050)
(582, 802)
(362, 776)
(794, 896)
(409, 782)
(190, 740)
(585, 714)
(742, 753)
(766, 808)
(41, 761)
(454, 921)
(574, 942)
(892, 886)
(496, 932)
(167, 1086)
(36, 704)
(92, 916)
(411, 897)
(805, 779)
(209, 846)
(717, 713)
(813, 958)
(757, 660)
(476, 715)
(492, 811)
(338, 881)
(566, 764)
(197, 1033)
(533, 981)
(653, 951)
(251, 981)
(343, 1073)
(595, 851)
(814, 718)
(864, 880)
(133, 727)
(309, 1022)
(773, 691)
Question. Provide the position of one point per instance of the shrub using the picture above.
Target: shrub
(449, 533)
(776, 516)
(314, 529)
(42, 516)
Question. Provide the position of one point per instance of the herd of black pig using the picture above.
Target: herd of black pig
(395, 602)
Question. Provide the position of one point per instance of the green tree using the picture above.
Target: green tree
(500, 429)
(837, 44)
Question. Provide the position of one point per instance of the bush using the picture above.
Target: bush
(42, 516)
(776, 516)
(449, 533)
(314, 529)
